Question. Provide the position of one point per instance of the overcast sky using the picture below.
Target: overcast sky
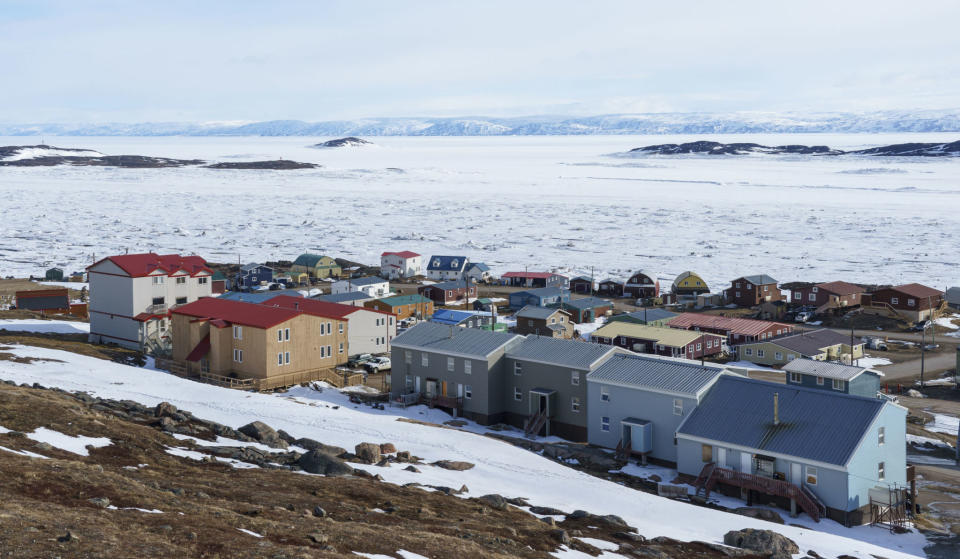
(322, 60)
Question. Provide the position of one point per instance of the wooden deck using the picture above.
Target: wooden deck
(712, 475)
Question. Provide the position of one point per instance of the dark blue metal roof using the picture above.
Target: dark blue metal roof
(258, 296)
(446, 262)
(343, 297)
(450, 316)
(651, 315)
(813, 424)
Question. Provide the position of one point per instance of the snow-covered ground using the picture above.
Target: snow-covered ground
(512, 202)
(868, 361)
(943, 423)
(78, 285)
(44, 326)
(500, 468)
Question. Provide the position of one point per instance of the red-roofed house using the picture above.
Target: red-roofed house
(241, 340)
(829, 295)
(737, 330)
(910, 301)
(368, 330)
(534, 279)
(403, 264)
(131, 295)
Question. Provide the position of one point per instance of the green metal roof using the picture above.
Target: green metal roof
(398, 300)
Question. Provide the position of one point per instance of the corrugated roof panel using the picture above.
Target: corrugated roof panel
(826, 369)
(656, 373)
(430, 336)
(566, 353)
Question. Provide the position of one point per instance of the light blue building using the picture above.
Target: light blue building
(540, 297)
(819, 450)
(640, 400)
(826, 375)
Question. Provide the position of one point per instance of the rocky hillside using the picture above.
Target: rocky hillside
(717, 148)
(49, 156)
(343, 142)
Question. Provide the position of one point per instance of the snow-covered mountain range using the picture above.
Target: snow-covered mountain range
(651, 123)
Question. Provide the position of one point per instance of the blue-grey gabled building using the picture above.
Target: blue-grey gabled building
(253, 275)
(820, 450)
(541, 297)
(827, 375)
(259, 297)
(440, 268)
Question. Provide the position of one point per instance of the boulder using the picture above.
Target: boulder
(614, 520)
(387, 448)
(453, 465)
(579, 513)
(311, 444)
(368, 453)
(318, 537)
(290, 439)
(318, 462)
(412, 468)
(913, 393)
(494, 501)
(101, 502)
(263, 433)
(761, 541)
(760, 513)
(560, 535)
(165, 409)
(546, 510)
(319, 512)
(630, 536)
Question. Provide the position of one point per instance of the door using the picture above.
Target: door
(417, 384)
(443, 388)
(796, 471)
(431, 387)
(542, 403)
(745, 463)
(722, 457)
(459, 390)
(626, 435)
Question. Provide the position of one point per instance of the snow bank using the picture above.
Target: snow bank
(499, 467)
(45, 326)
(76, 445)
(943, 424)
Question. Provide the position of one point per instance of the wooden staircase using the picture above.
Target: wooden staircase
(533, 424)
(623, 451)
(711, 475)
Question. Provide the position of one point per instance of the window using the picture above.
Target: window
(286, 334)
(748, 351)
(286, 357)
(280, 334)
(819, 381)
(329, 328)
(238, 355)
(794, 377)
(238, 332)
(424, 360)
(894, 300)
(451, 364)
(811, 475)
(575, 378)
(604, 394)
(691, 348)
(181, 300)
(530, 323)
(280, 359)
(881, 436)
(408, 357)
(322, 326)
(330, 351)
(837, 384)
(340, 329)
(760, 353)
(181, 281)
(467, 391)
(604, 423)
(575, 405)
(323, 352)
(408, 381)
(779, 331)
(517, 395)
(881, 471)
(341, 347)
(766, 288)
(158, 300)
(517, 368)
(203, 280)
(737, 285)
(811, 297)
(467, 366)
(699, 346)
(791, 357)
(737, 294)
(157, 280)
(677, 406)
(779, 355)
(910, 302)
(706, 453)
(341, 325)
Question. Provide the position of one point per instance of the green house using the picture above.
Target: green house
(54, 274)
(316, 266)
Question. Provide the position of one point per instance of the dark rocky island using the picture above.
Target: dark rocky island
(49, 156)
(717, 148)
(276, 164)
(343, 142)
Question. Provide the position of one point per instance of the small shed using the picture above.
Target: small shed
(44, 301)
(54, 274)
(581, 284)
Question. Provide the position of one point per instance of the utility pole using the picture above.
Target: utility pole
(703, 350)
(923, 351)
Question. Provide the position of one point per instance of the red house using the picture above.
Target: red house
(448, 292)
(642, 285)
(750, 291)
(910, 301)
(829, 295)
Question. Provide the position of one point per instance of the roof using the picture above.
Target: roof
(611, 280)
(218, 275)
(685, 275)
(236, 312)
(760, 279)
(536, 313)
(744, 326)
(953, 295)
(651, 315)
(258, 296)
(565, 353)
(450, 316)
(314, 307)
(202, 349)
(400, 300)
(814, 424)
(342, 297)
(366, 280)
(401, 254)
(587, 303)
(253, 266)
(35, 293)
(811, 343)
(309, 260)
(439, 338)
(652, 277)
(651, 372)
(917, 290)
(840, 287)
(827, 369)
(478, 266)
(452, 284)
(531, 275)
(446, 262)
(663, 336)
(144, 264)
(582, 278)
(541, 292)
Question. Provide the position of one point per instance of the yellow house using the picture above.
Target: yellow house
(819, 345)
(689, 283)
(316, 266)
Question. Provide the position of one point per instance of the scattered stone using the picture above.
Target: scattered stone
(655, 478)
(762, 541)
(914, 393)
(578, 514)
(403, 456)
(387, 448)
(368, 453)
(311, 444)
(455, 465)
(318, 537)
(44, 447)
(614, 520)
(263, 433)
(560, 535)
(165, 409)
(495, 501)
(548, 520)
(546, 510)
(319, 512)
(384, 462)
(101, 502)
(317, 462)
(412, 468)
(68, 537)
(630, 536)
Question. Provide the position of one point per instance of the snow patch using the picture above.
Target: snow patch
(45, 326)
(76, 445)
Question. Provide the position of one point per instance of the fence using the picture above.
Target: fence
(335, 378)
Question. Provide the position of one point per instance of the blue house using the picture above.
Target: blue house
(440, 268)
(636, 402)
(819, 450)
(542, 297)
(827, 375)
(466, 319)
(253, 275)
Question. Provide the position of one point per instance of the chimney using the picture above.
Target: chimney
(776, 408)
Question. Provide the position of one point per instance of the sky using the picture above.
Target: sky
(106, 61)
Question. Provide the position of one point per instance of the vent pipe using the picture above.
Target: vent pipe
(776, 408)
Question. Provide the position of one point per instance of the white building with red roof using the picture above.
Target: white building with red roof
(131, 296)
(404, 264)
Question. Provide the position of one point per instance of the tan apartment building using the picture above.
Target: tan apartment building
(251, 341)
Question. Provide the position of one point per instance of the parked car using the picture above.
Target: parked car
(875, 343)
(359, 360)
(803, 316)
(377, 364)
(920, 326)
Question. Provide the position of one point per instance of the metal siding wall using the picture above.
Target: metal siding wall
(893, 453)
(539, 375)
(865, 385)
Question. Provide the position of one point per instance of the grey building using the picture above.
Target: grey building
(544, 321)
(826, 375)
(459, 369)
(545, 385)
(641, 400)
(355, 298)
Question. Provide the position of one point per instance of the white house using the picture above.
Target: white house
(443, 268)
(478, 272)
(371, 285)
(404, 264)
(131, 296)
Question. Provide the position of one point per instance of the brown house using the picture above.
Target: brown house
(610, 288)
(642, 285)
(750, 291)
(404, 306)
(655, 340)
(44, 301)
(542, 321)
(581, 284)
(233, 339)
(910, 301)
(829, 295)
(449, 292)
